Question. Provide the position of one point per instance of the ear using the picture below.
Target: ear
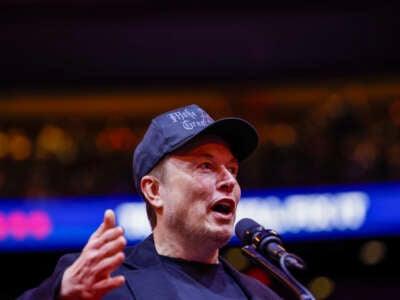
(151, 190)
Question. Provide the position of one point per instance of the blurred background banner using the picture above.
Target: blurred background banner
(330, 212)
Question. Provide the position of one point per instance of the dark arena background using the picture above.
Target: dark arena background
(80, 81)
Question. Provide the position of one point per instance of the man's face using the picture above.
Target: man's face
(200, 191)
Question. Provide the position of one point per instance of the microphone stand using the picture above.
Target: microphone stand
(284, 276)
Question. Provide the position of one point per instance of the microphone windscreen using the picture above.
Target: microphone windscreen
(243, 228)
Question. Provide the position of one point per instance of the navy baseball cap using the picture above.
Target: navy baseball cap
(173, 129)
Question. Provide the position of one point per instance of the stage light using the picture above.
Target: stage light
(373, 252)
(322, 287)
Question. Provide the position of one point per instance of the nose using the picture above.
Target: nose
(226, 181)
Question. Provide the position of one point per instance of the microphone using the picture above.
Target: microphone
(266, 241)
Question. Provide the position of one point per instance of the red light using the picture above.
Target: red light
(259, 274)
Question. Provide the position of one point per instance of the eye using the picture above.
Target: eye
(206, 165)
(233, 170)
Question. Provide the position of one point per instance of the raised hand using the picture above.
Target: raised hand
(89, 277)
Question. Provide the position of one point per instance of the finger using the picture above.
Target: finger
(108, 222)
(108, 265)
(104, 286)
(99, 241)
(109, 218)
(112, 247)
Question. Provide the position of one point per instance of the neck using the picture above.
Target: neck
(174, 245)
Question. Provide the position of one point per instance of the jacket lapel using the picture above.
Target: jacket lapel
(145, 277)
(237, 276)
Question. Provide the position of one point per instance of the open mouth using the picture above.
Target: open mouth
(223, 207)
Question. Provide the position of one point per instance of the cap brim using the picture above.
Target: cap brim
(241, 136)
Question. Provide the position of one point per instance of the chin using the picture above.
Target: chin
(222, 236)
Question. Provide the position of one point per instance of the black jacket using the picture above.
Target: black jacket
(145, 278)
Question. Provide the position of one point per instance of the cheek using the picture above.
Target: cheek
(204, 186)
(238, 191)
(190, 189)
(197, 192)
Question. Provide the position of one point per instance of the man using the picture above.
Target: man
(185, 169)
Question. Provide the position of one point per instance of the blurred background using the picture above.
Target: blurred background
(81, 80)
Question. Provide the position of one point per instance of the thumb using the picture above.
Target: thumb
(109, 219)
(108, 222)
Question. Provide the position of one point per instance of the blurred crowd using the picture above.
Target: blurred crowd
(329, 142)
(333, 141)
